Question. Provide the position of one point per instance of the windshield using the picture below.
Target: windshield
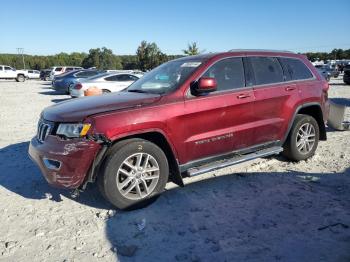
(167, 77)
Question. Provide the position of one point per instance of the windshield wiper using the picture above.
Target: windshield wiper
(138, 91)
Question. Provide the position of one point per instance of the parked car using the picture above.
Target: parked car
(184, 118)
(45, 74)
(33, 74)
(325, 73)
(57, 70)
(63, 83)
(107, 82)
(8, 72)
(330, 69)
(346, 76)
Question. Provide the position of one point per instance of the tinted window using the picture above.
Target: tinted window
(8, 68)
(1, 68)
(30, 71)
(229, 73)
(58, 69)
(86, 73)
(267, 70)
(296, 68)
(127, 78)
(112, 78)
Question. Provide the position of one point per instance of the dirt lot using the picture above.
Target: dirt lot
(263, 210)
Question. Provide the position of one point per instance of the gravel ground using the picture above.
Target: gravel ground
(262, 210)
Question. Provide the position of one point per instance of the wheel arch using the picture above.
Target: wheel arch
(157, 137)
(314, 110)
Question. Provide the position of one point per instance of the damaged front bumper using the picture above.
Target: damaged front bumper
(64, 163)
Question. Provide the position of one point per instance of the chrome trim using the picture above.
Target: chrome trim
(43, 131)
(235, 160)
(220, 157)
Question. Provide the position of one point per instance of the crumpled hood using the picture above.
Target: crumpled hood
(76, 110)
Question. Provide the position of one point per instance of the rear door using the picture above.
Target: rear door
(219, 122)
(275, 96)
(307, 83)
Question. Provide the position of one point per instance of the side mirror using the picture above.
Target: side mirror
(204, 85)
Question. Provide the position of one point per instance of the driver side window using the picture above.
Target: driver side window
(229, 73)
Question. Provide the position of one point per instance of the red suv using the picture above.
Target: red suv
(184, 118)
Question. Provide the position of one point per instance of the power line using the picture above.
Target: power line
(20, 51)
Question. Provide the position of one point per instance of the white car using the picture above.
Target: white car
(33, 74)
(107, 82)
(57, 70)
(7, 72)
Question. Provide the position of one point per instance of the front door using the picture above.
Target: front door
(219, 122)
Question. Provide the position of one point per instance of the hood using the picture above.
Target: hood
(76, 110)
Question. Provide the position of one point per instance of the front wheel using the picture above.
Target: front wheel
(134, 173)
(20, 78)
(303, 138)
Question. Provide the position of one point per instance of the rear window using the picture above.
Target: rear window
(296, 69)
(267, 70)
(87, 73)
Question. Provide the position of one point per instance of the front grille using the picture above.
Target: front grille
(44, 129)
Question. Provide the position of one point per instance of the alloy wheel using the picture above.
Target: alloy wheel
(305, 139)
(138, 176)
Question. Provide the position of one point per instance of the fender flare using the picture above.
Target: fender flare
(295, 114)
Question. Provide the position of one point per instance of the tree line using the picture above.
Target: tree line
(335, 54)
(148, 55)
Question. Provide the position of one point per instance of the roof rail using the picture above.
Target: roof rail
(259, 50)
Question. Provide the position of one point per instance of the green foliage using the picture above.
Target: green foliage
(102, 58)
(149, 56)
(335, 54)
(192, 49)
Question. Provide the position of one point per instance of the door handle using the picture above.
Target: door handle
(290, 88)
(241, 96)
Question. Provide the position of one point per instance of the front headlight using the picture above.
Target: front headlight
(73, 130)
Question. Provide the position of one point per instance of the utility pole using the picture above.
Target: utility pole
(20, 51)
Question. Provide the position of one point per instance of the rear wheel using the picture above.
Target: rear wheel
(134, 173)
(20, 78)
(303, 138)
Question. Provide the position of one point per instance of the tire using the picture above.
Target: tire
(126, 189)
(298, 145)
(20, 78)
(68, 89)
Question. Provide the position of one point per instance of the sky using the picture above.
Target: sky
(50, 27)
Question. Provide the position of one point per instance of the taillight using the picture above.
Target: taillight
(78, 86)
(325, 89)
(325, 86)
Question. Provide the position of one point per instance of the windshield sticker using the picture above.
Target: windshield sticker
(191, 64)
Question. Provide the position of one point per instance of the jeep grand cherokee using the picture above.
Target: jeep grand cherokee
(184, 118)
